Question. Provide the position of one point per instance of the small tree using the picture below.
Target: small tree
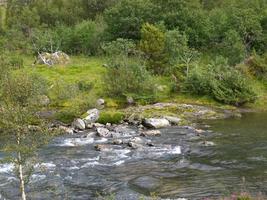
(23, 131)
(153, 45)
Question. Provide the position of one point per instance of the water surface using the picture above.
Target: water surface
(71, 169)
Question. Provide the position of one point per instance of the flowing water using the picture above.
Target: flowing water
(179, 165)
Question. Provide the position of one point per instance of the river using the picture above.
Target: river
(70, 168)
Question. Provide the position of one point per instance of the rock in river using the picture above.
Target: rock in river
(173, 120)
(151, 133)
(156, 123)
(92, 116)
(78, 124)
(103, 132)
(146, 183)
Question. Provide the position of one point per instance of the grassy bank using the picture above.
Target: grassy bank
(87, 74)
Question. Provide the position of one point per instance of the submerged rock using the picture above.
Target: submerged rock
(103, 147)
(79, 124)
(135, 145)
(151, 133)
(156, 123)
(117, 142)
(146, 183)
(207, 143)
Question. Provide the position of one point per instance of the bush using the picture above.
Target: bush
(223, 83)
(126, 73)
(153, 45)
(110, 117)
(257, 66)
(25, 91)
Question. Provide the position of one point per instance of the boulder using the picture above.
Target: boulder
(100, 102)
(53, 59)
(156, 123)
(103, 132)
(151, 133)
(78, 124)
(173, 120)
(92, 116)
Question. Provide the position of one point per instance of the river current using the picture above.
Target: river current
(179, 165)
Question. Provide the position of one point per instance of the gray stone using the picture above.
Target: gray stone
(173, 120)
(100, 102)
(79, 124)
(92, 116)
(52, 59)
(156, 123)
(103, 132)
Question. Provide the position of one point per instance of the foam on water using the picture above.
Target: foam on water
(72, 142)
(6, 168)
(37, 177)
(102, 140)
(50, 166)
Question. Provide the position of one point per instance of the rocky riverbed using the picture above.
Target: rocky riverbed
(131, 160)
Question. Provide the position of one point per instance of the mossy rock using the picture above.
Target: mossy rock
(112, 117)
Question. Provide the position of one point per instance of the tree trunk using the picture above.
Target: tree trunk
(20, 169)
(21, 179)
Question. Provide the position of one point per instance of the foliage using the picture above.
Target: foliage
(257, 66)
(223, 83)
(129, 70)
(232, 47)
(18, 120)
(125, 19)
(152, 43)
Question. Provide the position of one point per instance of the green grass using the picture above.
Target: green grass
(89, 71)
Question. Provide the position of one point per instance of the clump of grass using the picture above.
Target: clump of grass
(112, 117)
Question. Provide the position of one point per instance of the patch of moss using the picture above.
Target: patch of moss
(112, 117)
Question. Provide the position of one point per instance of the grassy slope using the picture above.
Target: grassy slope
(90, 70)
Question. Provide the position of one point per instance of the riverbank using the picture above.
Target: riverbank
(75, 87)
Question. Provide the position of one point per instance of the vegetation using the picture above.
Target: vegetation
(211, 51)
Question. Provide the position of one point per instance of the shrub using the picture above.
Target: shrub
(223, 83)
(257, 66)
(25, 91)
(232, 47)
(110, 117)
(153, 45)
(126, 73)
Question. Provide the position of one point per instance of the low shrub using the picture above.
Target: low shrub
(225, 84)
(112, 117)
